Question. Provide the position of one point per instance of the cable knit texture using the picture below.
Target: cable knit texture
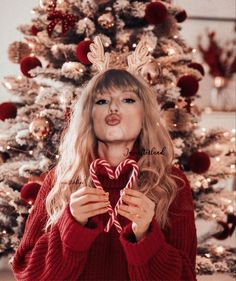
(71, 251)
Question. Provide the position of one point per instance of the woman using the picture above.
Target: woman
(116, 118)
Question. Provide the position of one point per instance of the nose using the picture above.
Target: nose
(113, 107)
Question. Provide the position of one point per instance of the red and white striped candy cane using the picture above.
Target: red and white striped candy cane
(113, 175)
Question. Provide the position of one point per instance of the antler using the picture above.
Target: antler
(97, 56)
(138, 58)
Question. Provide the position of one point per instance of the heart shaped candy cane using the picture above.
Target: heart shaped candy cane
(113, 175)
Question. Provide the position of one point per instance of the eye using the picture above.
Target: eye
(101, 101)
(129, 100)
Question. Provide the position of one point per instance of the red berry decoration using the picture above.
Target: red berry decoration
(199, 162)
(188, 85)
(156, 13)
(34, 30)
(7, 110)
(29, 192)
(181, 16)
(198, 67)
(82, 50)
(29, 63)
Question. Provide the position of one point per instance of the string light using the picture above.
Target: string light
(19, 77)
(171, 51)
(233, 139)
(217, 159)
(8, 85)
(233, 131)
(194, 50)
(134, 45)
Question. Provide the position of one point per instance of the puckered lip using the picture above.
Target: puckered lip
(112, 119)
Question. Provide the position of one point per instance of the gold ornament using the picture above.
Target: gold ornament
(17, 51)
(151, 72)
(41, 127)
(106, 20)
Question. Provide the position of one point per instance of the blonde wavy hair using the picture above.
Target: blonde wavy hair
(78, 144)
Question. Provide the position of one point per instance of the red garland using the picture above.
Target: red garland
(67, 21)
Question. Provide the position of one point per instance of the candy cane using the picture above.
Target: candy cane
(113, 175)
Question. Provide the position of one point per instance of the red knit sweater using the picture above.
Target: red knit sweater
(71, 251)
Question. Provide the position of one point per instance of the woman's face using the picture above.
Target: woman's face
(117, 116)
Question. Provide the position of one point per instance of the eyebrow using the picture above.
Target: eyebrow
(122, 93)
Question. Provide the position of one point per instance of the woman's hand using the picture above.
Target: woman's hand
(139, 209)
(88, 202)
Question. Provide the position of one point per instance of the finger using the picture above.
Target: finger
(88, 190)
(134, 210)
(97, 212)
(129, 216)
(93, 207)
(88, 198)
(148, 203)
(132, 200)
(133, 192)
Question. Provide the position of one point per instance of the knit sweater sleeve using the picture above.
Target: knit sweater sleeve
(59, 254)
(165, 257)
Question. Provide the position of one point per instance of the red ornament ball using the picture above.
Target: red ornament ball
(34, 30)
(29, 63)
(7, 110)
(156, 13)
(181, 16)
(198, 67)
(29, 192)
(199, 162)
(82, 50)
(188, 85)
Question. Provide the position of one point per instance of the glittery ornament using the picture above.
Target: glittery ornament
(41, 128)
(17, 51)
(106, 20)
(151, 72)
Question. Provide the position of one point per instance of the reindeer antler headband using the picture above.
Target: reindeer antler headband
(136, 60)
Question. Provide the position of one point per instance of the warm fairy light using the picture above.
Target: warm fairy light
(191, 104)
(8, 85)
(106, 44)
(7, 193)
(194, 50)
(208, 255)
(8, 147)
(4, 232)
(233, 131)
(204, 129)
(31, 152)
(31, 45)
(217, 159)
(230, 209)
(214, 216)
(81, 70)
(226, 134)
(171, 51)
(208, 179)
(54, 48)
(30, 202)
(19, 77)
(57, 156)
(150, 49)
(198, 183)
(134, 45)
(175, 125)
(233, 139)
(32, 55)
(219, 249)
(176, 36)
(232, 166)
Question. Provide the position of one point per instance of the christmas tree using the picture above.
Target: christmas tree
(54, 69)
